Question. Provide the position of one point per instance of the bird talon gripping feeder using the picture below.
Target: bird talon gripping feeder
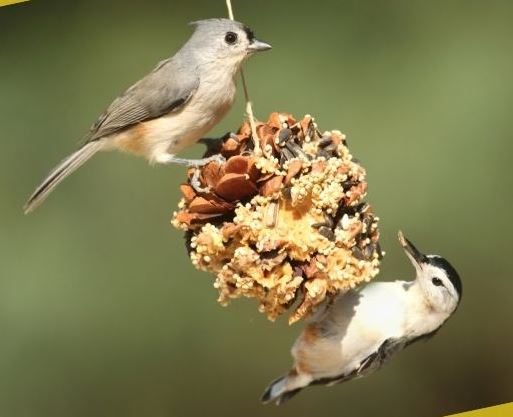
(289, 227)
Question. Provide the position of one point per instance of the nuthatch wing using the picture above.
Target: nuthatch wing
(172, 107)
(360, 330)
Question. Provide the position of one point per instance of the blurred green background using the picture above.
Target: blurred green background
(101, 312)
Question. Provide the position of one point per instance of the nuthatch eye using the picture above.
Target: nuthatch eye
(356, 334)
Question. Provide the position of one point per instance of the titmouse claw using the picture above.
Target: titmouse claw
(220, 159)
(196, 183)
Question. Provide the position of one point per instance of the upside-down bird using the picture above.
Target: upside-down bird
(360, 330)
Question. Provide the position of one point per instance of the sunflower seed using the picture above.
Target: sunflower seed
(331, 148)
(367, 221)
(287, 193)
(296, 150)
(329, 221)
(327, 233)
(298, 271)
(343, 222)
(380, 252)
(369, 250)
(284, 136)
(311, 130)
(325, 141)
(349, 184)
(321, 153)
(287, 154)
(318, 225)
(271, 214)
(357, 252)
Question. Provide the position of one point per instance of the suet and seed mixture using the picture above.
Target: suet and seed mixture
(288, 227)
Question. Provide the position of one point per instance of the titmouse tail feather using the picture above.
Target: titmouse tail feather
(277, 391)
(61, 171)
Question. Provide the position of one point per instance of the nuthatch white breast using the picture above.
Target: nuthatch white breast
(172, 107)
(359, 331)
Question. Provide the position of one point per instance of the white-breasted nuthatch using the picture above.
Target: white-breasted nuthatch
(357, 332)
(172, 107)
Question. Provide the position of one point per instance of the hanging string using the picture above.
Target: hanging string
(249, 106)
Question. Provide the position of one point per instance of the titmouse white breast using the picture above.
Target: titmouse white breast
(172, 107)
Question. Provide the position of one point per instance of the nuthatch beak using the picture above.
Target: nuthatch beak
(416, 257)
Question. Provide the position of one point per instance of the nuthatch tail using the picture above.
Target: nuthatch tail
(356, 334)
(172, 107)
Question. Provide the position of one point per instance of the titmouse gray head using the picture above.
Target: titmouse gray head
(227, 40)
(173, 106)
(359, 331)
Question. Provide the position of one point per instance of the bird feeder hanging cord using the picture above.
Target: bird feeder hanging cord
(249, 106)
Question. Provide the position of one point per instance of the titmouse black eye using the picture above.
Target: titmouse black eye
(437, 281)
(230, 38)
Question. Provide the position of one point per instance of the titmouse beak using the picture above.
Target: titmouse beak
(416, 257)
(258, 46)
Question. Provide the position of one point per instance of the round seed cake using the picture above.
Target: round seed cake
(287, 226)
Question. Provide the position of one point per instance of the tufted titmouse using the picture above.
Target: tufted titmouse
(172, 107)
(357, 333)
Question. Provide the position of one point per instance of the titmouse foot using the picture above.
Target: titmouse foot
(198, 162)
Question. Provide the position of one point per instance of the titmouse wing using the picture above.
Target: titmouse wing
(168, 87)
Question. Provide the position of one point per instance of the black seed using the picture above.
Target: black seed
(325, 141)
(368, 223)
(288, 155)
(286, 192)
(360, 239)
(311, 131)
(349, 210)
(188, 239)
(358, 253)
(284, 136)
(362, 207)
(329, 221)
(349, 184)
(331, 148)
(369, 250)
(321, 153)
(327, 233)
(298, 271)
(380, 252)
(296, 149)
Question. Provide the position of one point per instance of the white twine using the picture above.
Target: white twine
(249, 106)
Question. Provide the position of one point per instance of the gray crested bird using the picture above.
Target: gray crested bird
(172, 107)
(359, 331)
